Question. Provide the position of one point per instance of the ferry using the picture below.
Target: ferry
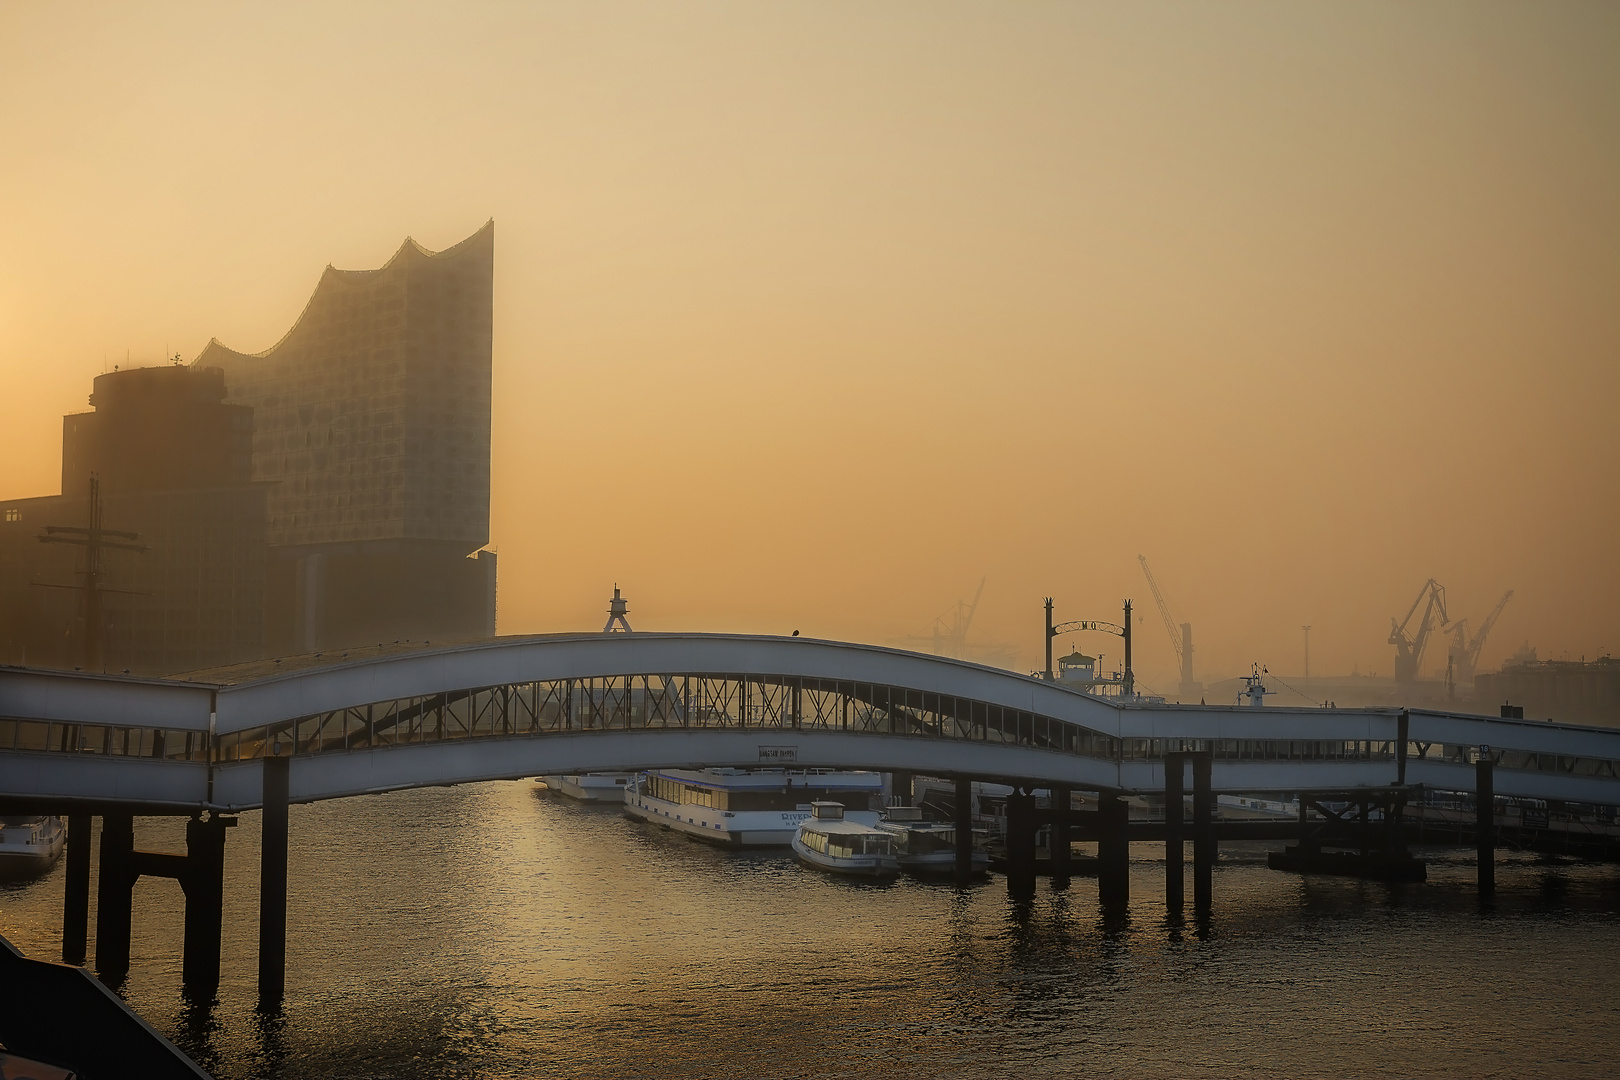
(743, 807)
(29, 846)
(842, 843)
(926, 847)
(589, 787)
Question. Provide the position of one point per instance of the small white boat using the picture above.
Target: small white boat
(29, 846)
(589, 787)
(838, 843)
(926, 847)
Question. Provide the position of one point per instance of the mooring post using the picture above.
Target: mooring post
(1062, 814)
(273, 883)
(1020, 844)
(964, 828)
(1485, 820)
(1174, 883)
(76, 900)
(203, 882)
(1204, 851)
(115, 894)
(1113, 852)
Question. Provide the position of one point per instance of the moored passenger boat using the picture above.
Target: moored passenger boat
(743, 807)
(926, 848)
(833, 840)
(589, 787)
(29, 846)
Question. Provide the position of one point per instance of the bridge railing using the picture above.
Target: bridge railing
(109, 740)
(771, 703)
(1263, 749)
(679, 701)
(674, 701)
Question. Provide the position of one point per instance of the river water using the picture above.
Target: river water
(493, 930)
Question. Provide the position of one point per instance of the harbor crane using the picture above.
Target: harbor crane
(950, 639)
(1409, 647)
(1181, 635)
(1463, 655)
(948, 636)
(94, 540)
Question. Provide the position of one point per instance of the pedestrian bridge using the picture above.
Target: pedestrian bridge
(405, 716)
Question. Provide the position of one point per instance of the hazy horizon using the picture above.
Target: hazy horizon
(808, 317)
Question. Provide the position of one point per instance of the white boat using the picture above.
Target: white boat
(842, 843)
(589, 787)
(29, 846)
(926, 847)
(743, 807)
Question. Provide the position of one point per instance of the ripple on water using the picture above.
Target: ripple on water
(494, 931)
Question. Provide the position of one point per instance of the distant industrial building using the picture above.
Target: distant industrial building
(330, 492)
(1569, 691)
(174, 464)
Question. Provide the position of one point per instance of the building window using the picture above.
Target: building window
(13, 514)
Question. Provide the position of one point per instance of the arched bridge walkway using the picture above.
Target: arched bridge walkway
(397, 717)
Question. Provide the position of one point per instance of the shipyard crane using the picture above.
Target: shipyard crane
(1464, 652)
(948, 636)
(961, 618)
(1180, 634)
(1409, 647)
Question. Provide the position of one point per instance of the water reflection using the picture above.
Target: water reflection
(489, 931)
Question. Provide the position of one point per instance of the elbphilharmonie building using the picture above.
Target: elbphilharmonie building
(371, 424)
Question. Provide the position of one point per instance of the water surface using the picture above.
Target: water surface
(495, 931)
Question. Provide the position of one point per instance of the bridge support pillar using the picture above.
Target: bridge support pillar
(1021, 844)
(115, 894)
(76, 899)
(964, 829)
(1485, 823)
(203, 881)
(273, 884)
(1204, 844)
(1113, 853)
(1062, 816)
(1175, 768)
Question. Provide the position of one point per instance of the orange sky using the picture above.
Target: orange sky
(809, 315)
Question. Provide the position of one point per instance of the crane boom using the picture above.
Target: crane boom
(967, 620)
(1409, 649)
(1485, 629)
(1164, 610)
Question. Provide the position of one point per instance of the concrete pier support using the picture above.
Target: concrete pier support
(1062, 815)
(1485, 822)
(1113, 853)
(1021, 844)
(76, 900)
(203, 880)
(1175, 770)
(964, 829)
(115, 891)
(273, 884)
(1204, 844)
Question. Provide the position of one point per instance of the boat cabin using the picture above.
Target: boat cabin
(738, 790)
(839, 839)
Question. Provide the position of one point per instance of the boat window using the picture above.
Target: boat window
(762, 800)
